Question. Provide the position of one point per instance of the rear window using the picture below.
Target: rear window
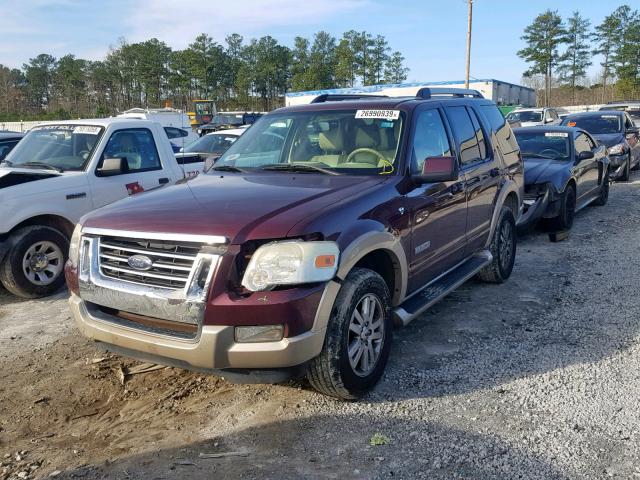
(505, 138)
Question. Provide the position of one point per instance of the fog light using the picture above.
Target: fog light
(264, 333)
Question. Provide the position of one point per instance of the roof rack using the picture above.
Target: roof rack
(623, 101)
(330, 97)
(428, 92)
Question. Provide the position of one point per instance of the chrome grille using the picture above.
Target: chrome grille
(171, 266)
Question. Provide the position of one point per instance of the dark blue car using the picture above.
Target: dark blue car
(565, 169)
(616, 131)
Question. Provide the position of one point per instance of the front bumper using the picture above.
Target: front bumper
(542, 206)
(213, 348)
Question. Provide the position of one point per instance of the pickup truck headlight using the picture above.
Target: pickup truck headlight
(74, 245)
(291, 263)
(617, 149)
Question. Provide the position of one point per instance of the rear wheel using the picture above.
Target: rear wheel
(34, 266)
(503, 249)
(564, 220)
(358, 338)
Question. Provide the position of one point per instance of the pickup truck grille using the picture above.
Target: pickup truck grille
(171, 262)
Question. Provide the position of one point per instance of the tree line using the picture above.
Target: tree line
(562, 51)
(238, 74)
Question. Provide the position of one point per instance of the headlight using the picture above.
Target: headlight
(291, 263)
(617, 149)
(74, 245)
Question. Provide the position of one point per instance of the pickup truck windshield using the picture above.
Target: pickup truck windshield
(551, 145)
(525, 116)
(60, 147)
(342, 142)
(596, 124)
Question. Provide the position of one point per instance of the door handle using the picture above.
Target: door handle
(494, 172)
(163, 181)
(473, 181)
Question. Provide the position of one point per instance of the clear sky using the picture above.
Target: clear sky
(431, 34)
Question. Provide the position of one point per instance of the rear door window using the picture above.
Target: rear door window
(464, 134)
(482, 144)
(505, 138)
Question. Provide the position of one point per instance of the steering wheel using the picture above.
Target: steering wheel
(553, 152)
(365, 150)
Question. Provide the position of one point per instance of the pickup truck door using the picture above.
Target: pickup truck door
(481, 171)
(438, 210)
(146, 169)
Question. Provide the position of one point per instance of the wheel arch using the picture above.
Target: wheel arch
(57, 222)
(509, 195)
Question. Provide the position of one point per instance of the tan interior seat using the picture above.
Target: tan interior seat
(366, 138)
(331, 143)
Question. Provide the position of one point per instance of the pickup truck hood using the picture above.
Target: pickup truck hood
(10, 177)
(239, 207)
(610, 139)
(542, 170)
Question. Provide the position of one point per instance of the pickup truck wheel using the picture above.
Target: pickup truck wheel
(34, 266)
(503, 249)
(358, 338)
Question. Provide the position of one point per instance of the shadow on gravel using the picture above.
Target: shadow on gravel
(336, 446)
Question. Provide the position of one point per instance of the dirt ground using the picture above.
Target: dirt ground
(536, 378)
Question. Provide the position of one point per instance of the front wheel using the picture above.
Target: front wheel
(34, 266)
(603, 198)
(564, 220)
(626, 172)
(358, 338)
(503, 249)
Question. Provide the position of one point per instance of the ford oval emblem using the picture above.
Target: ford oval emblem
(140, 262)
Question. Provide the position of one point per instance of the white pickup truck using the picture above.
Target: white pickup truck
(57, 173)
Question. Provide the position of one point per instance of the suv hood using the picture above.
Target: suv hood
(542, 170)
(239, 207)
(609, 139)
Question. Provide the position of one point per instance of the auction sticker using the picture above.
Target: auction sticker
(87, 129)
(381, 114)
(556, 134)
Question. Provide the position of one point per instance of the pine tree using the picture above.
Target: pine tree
(606, 36)
(574, 62)
(394, 70)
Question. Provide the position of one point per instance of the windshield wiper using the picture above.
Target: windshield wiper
(40, 165)
(537, 155)
(228, 168)
(297, 167)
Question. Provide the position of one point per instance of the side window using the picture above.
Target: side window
(173, 132)
(582, 143)
(505, 138)
(429, 140)
(137, 146)
(5, 148)
(464, 134)
(482, 144)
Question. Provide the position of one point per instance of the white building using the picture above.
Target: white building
(503, 93)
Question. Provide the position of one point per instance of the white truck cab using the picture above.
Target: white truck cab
(533, 117)
(60, 171)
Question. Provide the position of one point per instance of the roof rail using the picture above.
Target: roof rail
(623, 101)
(330, 97)
(428, 92)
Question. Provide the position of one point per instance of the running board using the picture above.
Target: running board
(440, 288)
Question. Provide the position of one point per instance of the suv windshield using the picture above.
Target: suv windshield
(552, 145)
(356, 142)
(60, 147)
(212, 143)
(596, 124)
(525, 116)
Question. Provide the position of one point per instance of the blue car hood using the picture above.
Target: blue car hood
(609, 139)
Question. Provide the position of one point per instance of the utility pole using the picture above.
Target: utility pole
(466, 80)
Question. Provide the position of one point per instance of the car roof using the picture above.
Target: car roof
(528, 109)
(545, 129)
(596, 113)
(230, 131)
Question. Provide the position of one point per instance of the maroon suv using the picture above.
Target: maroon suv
(321, 227)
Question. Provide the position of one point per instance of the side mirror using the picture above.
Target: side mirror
(586, 155)
(437, 169)
(209, 162)
(113, 166)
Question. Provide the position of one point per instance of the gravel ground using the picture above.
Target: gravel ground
(536, 378)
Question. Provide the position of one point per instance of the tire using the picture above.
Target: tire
(603, 198)
(22, 272)
(626, 172)
(332, 372)
(637, 165)
(503, 249)
(564, 220)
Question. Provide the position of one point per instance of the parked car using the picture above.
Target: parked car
(565, 170)
(8, 140)
(176, 124)
(615, 130)
(314, 231)
(57, 173)
(632, 108)
(229, 120)
(208, 148)
(531, 117)
(562, 112)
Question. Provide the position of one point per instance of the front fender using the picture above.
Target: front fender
(510, 186)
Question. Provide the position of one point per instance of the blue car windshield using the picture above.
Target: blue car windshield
(540, 144)
(596, 124)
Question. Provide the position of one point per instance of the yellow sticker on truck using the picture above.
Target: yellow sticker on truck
(381, 114)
